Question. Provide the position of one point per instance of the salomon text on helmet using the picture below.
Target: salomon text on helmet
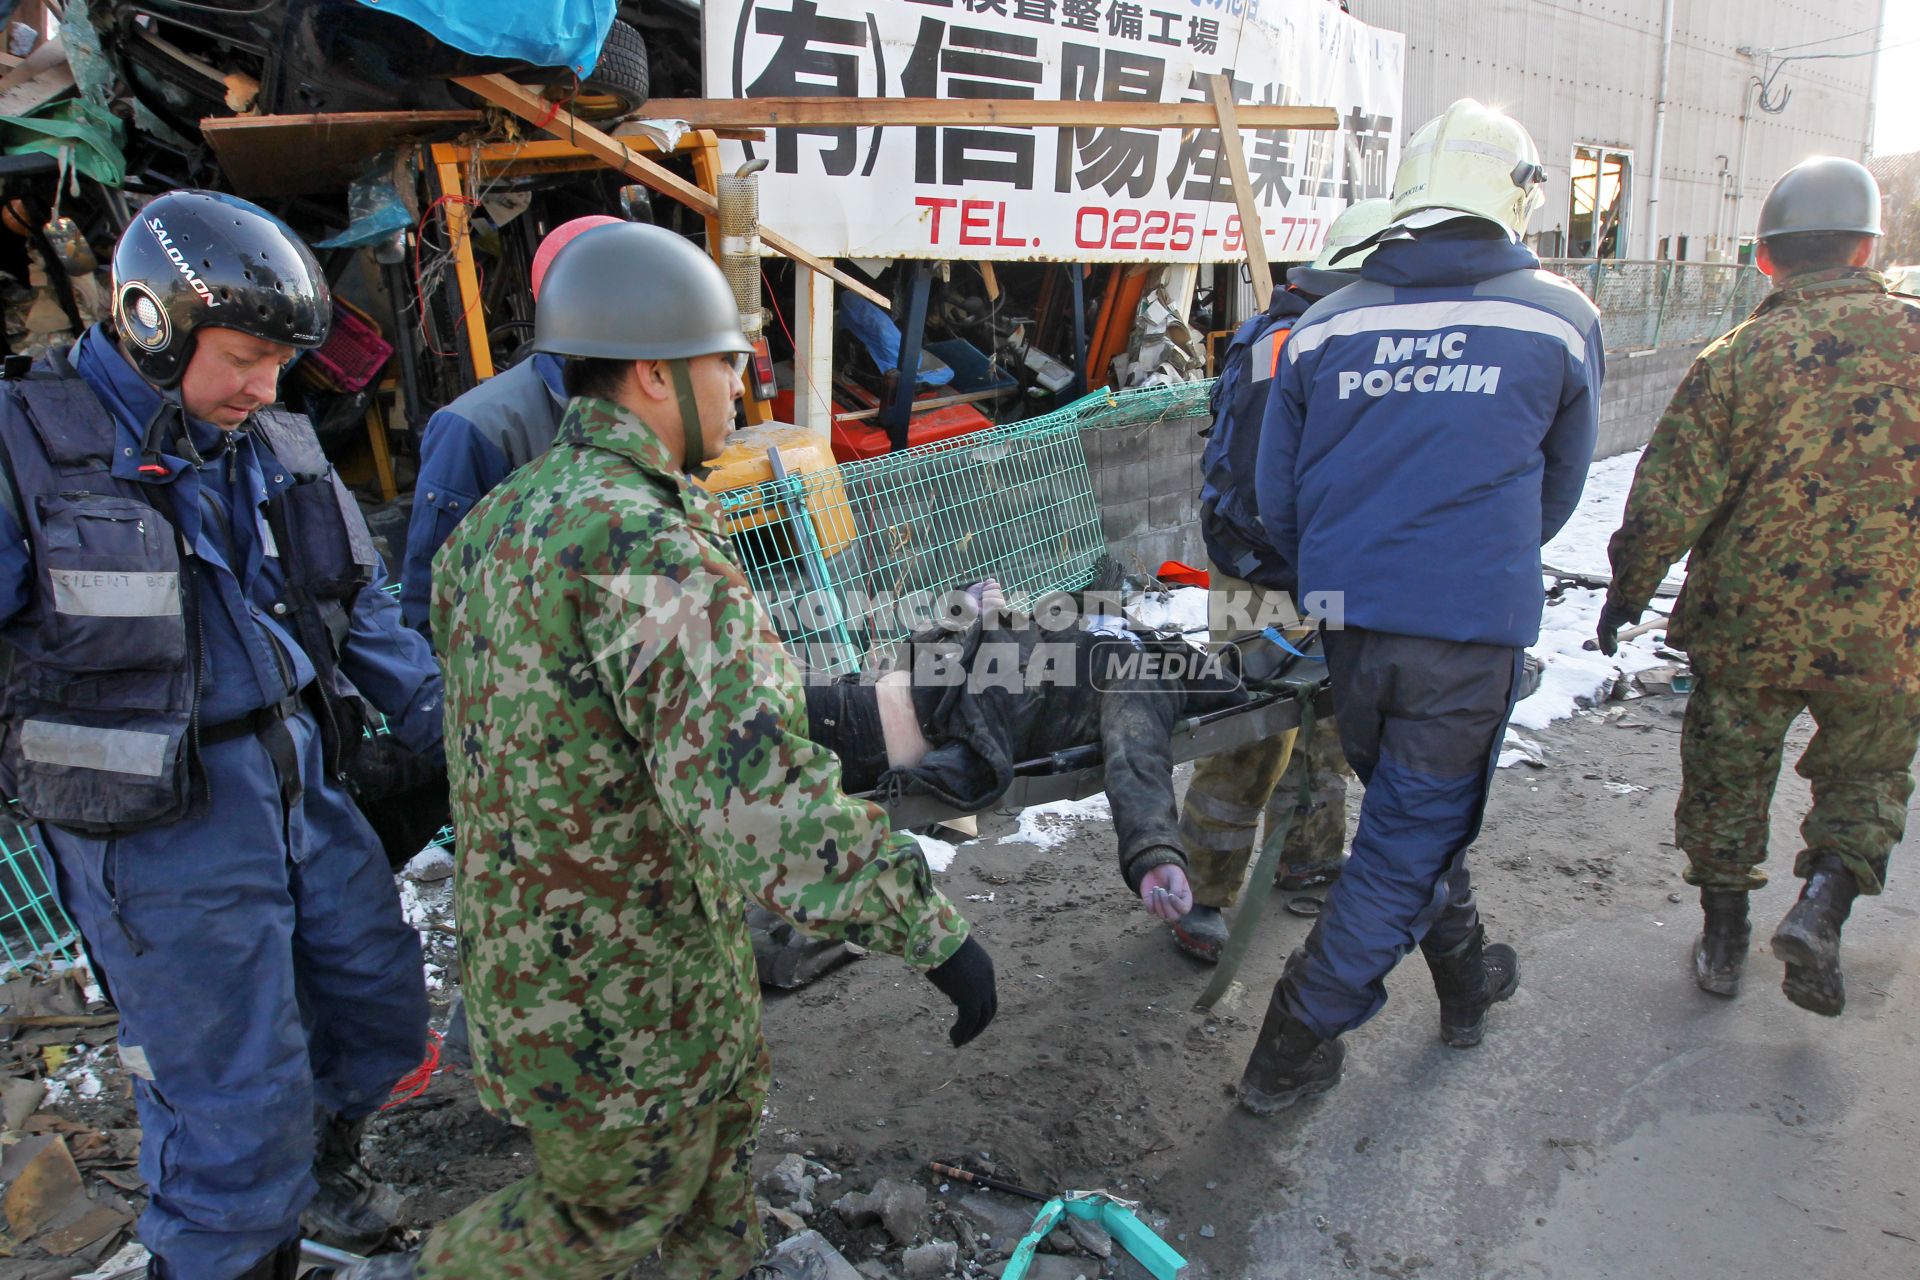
(193, 259)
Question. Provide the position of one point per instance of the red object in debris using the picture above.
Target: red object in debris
(1184, 574)
(416, 1081)
(354, 353)
(558, 239)
(853, 441)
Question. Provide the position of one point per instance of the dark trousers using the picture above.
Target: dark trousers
(1421, 723)
(261, 967)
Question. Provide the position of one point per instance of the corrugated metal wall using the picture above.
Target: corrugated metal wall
(1587, 72)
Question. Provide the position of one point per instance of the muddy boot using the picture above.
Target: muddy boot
(351, 1210)
(456, 1047)
(1722, 946)
(1470, 979)
(1201, 933)
(1293, 878)
(1808, 940)
(388, 1266)
(1289, 1063)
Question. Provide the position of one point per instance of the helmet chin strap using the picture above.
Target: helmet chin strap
(693, 439)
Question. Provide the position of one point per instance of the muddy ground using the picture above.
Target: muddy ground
(1616, 1122)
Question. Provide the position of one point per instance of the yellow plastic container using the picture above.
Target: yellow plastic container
(808, 458)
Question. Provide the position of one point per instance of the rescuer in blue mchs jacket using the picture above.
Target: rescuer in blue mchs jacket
(1431, 427)
(196, 622)
(473, 444)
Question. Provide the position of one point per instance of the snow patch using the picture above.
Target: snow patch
(1574, 676)
(939, 853)
(1046, 825)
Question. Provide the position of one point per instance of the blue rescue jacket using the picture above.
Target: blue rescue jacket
(468, 447)
(1229, 513)
(147, 609)
(1430, 428)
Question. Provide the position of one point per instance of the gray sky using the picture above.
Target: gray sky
(1896, 125)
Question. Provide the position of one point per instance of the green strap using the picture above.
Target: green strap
(1247, 923)
(693, 437)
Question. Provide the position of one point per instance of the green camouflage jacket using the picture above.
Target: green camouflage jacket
(1789, 463)
(627, 747)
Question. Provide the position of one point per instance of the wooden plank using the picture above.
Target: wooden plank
(561, 123)
(815, 113)
(1250, 229)
(303, 154)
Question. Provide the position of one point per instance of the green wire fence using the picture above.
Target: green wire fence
(33, 928)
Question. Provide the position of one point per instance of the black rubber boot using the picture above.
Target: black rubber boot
(1201, 933)
(1289, 1063)
(1722, 946)
(1808, 940)
(350, 1210)
(1471, 978)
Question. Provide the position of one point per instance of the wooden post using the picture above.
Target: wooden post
(1243, 191)
(813, 350)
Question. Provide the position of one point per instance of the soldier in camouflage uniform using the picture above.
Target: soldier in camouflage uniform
(630, 767)
(1789, 464)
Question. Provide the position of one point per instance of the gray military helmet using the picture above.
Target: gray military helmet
(1826, 193)
(635, 292)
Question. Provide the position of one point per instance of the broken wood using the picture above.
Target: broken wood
(816, 112)
(1228, 116)
(303, 154)
(36, 1020)
(45, 1185)
(562, 124)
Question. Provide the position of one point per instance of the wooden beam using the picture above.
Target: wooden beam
(821, 113)
(562, 124)
(1250, 230)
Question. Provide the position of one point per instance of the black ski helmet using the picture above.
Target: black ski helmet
(196, 258)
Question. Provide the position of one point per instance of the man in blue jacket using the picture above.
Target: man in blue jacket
(195, 616)
(1431, 427)
(471, 445)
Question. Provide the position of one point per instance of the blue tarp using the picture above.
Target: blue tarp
(558, 33)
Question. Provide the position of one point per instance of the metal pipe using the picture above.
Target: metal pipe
(1659, 129)
(1740, 167)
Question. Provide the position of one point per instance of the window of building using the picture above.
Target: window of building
(1597, 212)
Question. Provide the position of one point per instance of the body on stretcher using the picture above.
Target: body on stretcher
(1078, 772)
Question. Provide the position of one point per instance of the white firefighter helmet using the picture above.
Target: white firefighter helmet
(1473, 160)
(1361, 221)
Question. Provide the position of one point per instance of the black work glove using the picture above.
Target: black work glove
(1612, 618)
(967, 979)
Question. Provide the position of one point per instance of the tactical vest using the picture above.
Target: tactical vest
(99, 704)
(1229, 514)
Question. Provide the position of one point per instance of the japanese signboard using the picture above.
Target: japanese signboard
(1093, 195)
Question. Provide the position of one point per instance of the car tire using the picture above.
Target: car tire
(617, 85)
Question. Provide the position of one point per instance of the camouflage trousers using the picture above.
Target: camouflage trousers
(1230, 790)
(1859, 766)
(598, 1203)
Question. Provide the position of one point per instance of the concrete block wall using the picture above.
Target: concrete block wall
(1147, 481)
(1636, 394)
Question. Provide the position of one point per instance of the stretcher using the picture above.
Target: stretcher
(1079, 772)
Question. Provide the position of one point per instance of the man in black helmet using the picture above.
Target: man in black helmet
(198, 631)
(1786, 469)
(630, 766)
